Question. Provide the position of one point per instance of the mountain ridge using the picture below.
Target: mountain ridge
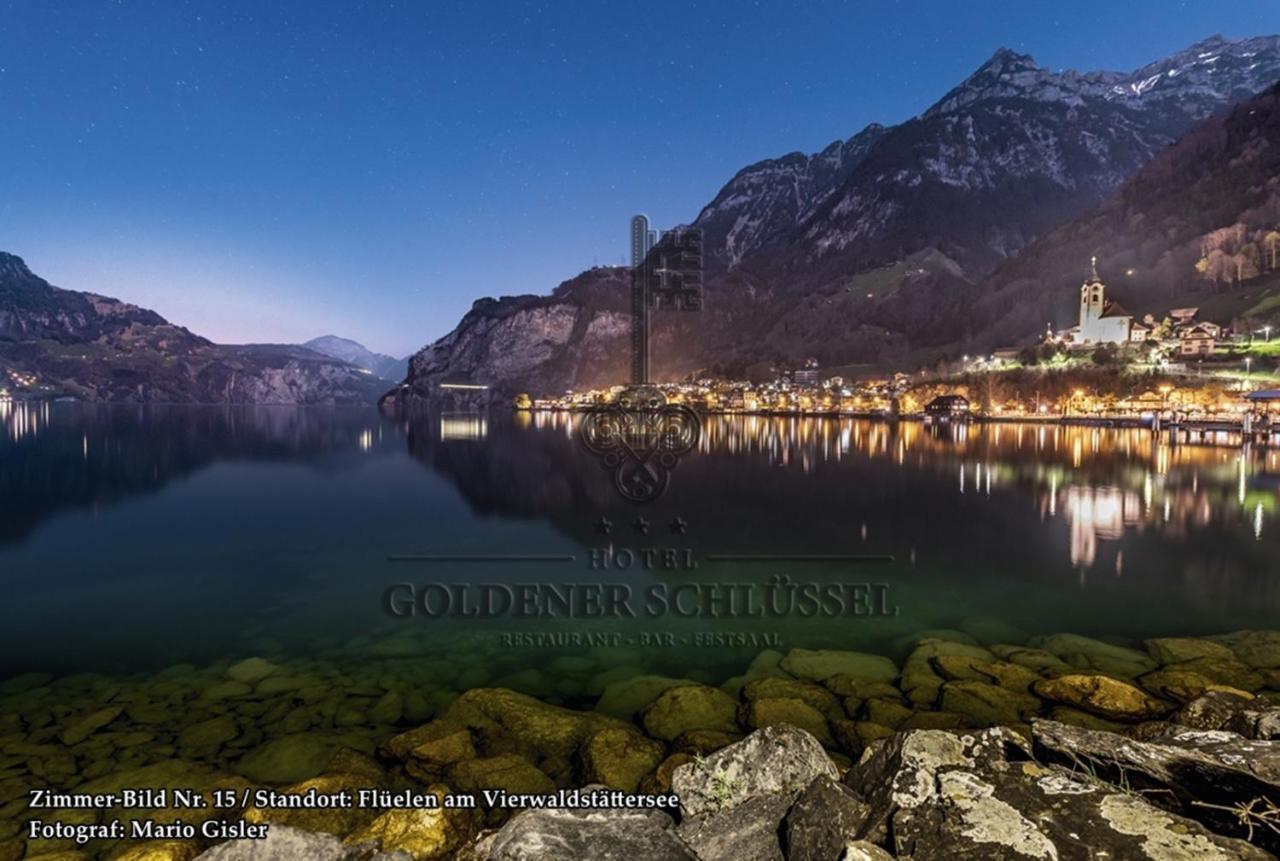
(66, 343)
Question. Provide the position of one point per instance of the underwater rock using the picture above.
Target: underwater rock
(250, 671)
(289, 758)
(826, 816)
(619, 758)
(689, 707)
(1086, 653)
(1002, 673)
(815, 695)
(816, 665)
(772, 761)
(847, 686)
(989, 630)
(1037, 660)
(503, 721)
(1181, 685)
(625, 699)
(209, 734)
(658, 782)
(1103, 696)
(89, 724)
(988, 705)
(1258, 649)
(1173, 650)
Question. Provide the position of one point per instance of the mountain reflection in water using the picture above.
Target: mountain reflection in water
(217, 525)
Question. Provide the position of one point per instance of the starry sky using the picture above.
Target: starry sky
(271, 172)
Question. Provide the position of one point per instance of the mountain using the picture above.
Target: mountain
(852, 254)
(354, 353)
(1203, 215)
(62, 343)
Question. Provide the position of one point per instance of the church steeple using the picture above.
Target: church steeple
(1093, 268)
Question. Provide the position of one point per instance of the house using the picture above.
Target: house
(947, 408)
(1197, 340)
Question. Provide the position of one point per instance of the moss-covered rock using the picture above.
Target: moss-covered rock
(1258, 649)
(787, 711)
(289, 758)
(619, 758)
(1037, 660)
(1103, 696)
(816, 665)
(891, 713)
(337, 821)
(209, 734)
(510, 772)
(1086, 653)
(1172, 650)
(689, 707)
(85, 726)
(815, 695)
(425, 834)
(989, 705)
(1005, 674)
(658, 781)
(844, 686)
(625, 699)
(701, 742)
(250, 671)
(156, 850)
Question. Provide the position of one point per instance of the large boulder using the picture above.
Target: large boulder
(1258, 649)
(282, 843)
(1208, 775)
(690, 707)
(824, 819)
(743, 832)
(981, 797)
(600, 835)
(778, 760)
(420, 833)
(1103, 696)
(619, 758)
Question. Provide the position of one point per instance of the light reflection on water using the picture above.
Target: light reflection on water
(184, 523)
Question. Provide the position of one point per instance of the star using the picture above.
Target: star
(640, 525)
(604, 526)
(678, 526)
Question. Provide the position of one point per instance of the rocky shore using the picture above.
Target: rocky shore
(1060, 747)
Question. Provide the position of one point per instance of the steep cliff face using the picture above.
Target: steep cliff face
(577, 336)
(61, 343)
(871, 249)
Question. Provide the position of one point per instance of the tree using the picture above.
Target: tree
(523, 401)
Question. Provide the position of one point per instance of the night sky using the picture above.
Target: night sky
(273, 171)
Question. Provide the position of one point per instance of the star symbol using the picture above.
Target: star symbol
(604, 526)
(640, 525)
(678, 526)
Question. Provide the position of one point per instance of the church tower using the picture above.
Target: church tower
(1092, 302)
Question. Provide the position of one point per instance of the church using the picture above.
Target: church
(1103, 322)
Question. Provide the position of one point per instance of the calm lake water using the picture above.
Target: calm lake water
(133, 539)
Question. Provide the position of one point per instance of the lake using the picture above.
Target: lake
(139, 537)
(381, 567)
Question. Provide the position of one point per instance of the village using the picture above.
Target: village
(1110, 368)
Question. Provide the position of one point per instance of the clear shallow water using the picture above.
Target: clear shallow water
(133, 539)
